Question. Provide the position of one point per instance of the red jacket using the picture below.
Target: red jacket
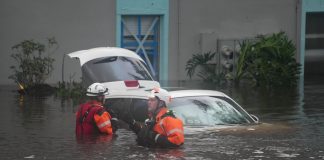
(92, 118)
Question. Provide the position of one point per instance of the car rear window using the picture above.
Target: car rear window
(115, 68)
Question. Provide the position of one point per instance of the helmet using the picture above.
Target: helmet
(97, 89)
(161, 94)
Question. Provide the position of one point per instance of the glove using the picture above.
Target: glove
(150, 123)
(114, 124)
(135, 126)
(146, 137)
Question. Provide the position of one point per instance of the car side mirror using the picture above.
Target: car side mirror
(255, 118)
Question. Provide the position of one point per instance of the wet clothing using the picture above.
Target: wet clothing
(92, 118)
(164, 130)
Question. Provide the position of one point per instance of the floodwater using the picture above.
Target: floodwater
(292, 128)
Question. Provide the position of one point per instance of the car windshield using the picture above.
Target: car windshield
(116, 68)
(207, 111)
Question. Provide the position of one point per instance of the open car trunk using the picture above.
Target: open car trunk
(116, 68)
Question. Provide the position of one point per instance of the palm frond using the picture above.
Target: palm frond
(198, 60)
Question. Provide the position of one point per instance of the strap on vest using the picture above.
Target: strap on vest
(169, 113)
(82, 118)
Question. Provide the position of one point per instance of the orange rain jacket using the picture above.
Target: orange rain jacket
(92, 118)
(169, 130)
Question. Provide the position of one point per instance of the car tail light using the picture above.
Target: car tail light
(132, 83)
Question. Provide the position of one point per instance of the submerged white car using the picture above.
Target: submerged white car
(208, 108)
(116, 68)
(195, 108)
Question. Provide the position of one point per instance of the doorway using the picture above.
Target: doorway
(141, 34)
(314, 45)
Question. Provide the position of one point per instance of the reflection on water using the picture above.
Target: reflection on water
(43, 128)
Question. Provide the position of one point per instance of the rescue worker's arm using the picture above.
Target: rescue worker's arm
(163, 141)
(148, 137)
(114, 119)
(103, 121)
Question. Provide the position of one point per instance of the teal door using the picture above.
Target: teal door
(141, 34)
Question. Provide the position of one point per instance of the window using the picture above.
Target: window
(315, 30)
(116, 68)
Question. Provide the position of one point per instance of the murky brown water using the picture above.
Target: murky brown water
(293, 128)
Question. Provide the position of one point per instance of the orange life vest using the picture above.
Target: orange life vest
(170, 127)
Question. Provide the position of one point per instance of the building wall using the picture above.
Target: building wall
(223, 19)
(84, 24)
(76, 25)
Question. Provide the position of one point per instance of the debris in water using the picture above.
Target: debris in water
(285, 155)
(30, 157)
(258, 152)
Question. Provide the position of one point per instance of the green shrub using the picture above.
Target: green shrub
(270, 61)
(33, 66)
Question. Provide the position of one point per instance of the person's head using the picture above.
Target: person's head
(158, 98)
(97, 91)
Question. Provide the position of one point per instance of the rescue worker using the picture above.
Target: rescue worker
(162, 129)
(92, 118)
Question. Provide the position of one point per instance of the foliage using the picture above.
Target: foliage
(207, 70)
(74, 90)
(241, 62)
(33, 66)
(270, 60)
(198, 60)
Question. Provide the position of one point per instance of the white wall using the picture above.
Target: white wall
(76, 25)
(83, 24)
(226, 19)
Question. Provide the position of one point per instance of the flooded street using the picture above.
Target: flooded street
(292, 128)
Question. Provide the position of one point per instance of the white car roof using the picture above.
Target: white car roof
(142, 94)
(188, 93)
(90, 54)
